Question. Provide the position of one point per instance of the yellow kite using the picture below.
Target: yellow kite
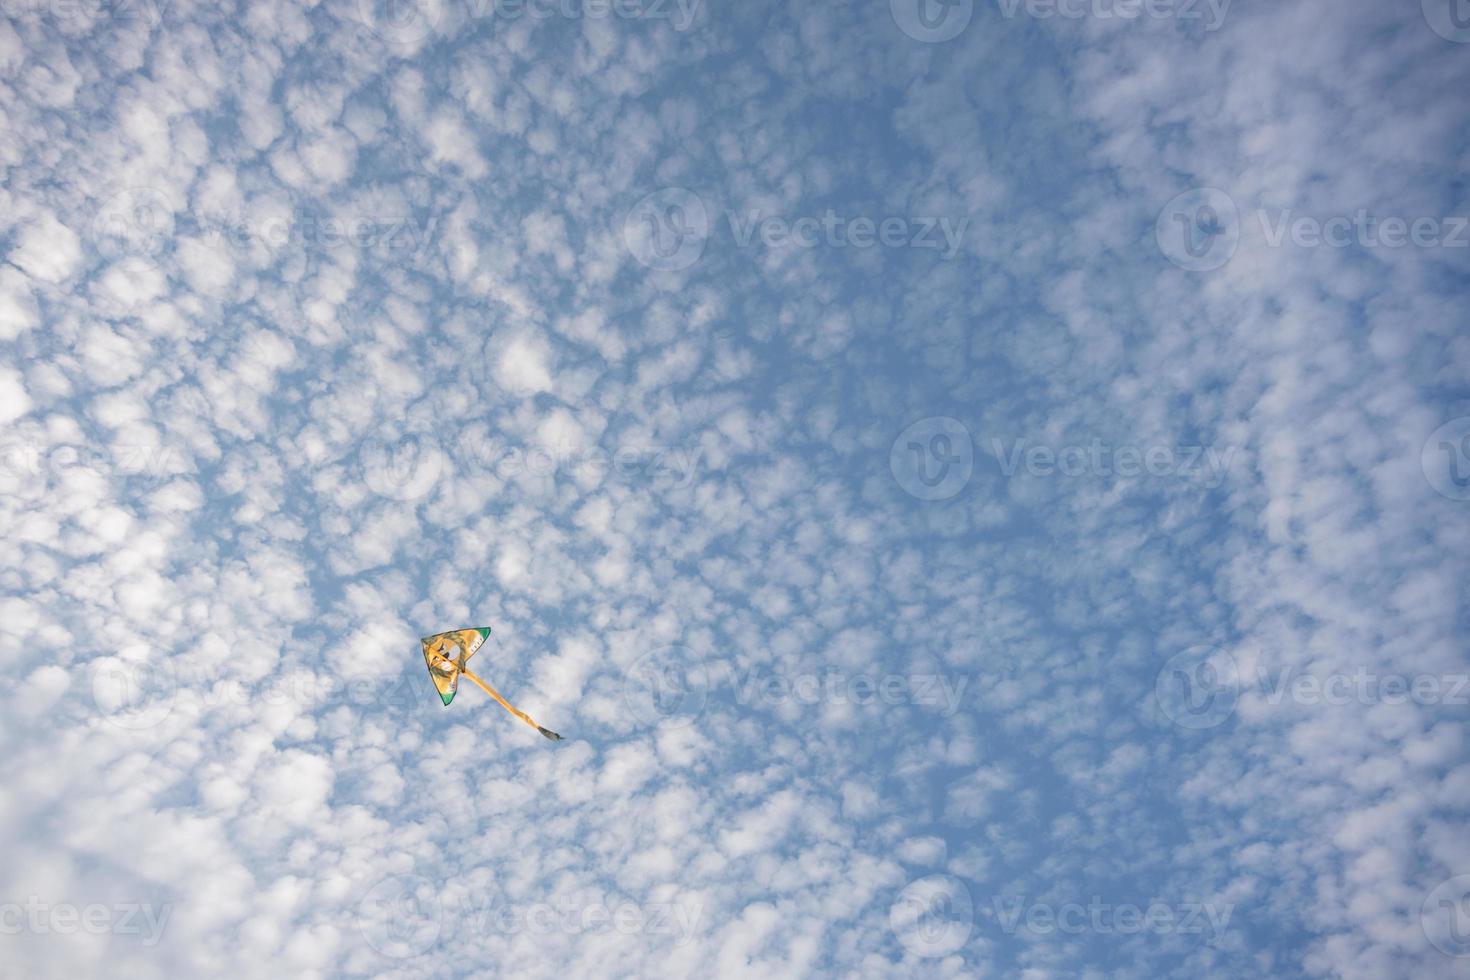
(447, 653)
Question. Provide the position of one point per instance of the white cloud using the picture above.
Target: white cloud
(18, 311)
(47, 249)
(523, 366)
(14, 402)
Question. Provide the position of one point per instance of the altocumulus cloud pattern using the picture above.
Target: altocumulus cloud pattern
(981, 486)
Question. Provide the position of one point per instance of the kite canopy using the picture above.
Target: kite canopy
(446, 654)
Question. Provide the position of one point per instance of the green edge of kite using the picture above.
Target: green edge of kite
(484, 632)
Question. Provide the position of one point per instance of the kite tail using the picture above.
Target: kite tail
(511, 708)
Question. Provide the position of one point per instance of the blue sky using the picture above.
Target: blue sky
(981, 487)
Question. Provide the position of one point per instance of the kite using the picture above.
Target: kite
(447, 653)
